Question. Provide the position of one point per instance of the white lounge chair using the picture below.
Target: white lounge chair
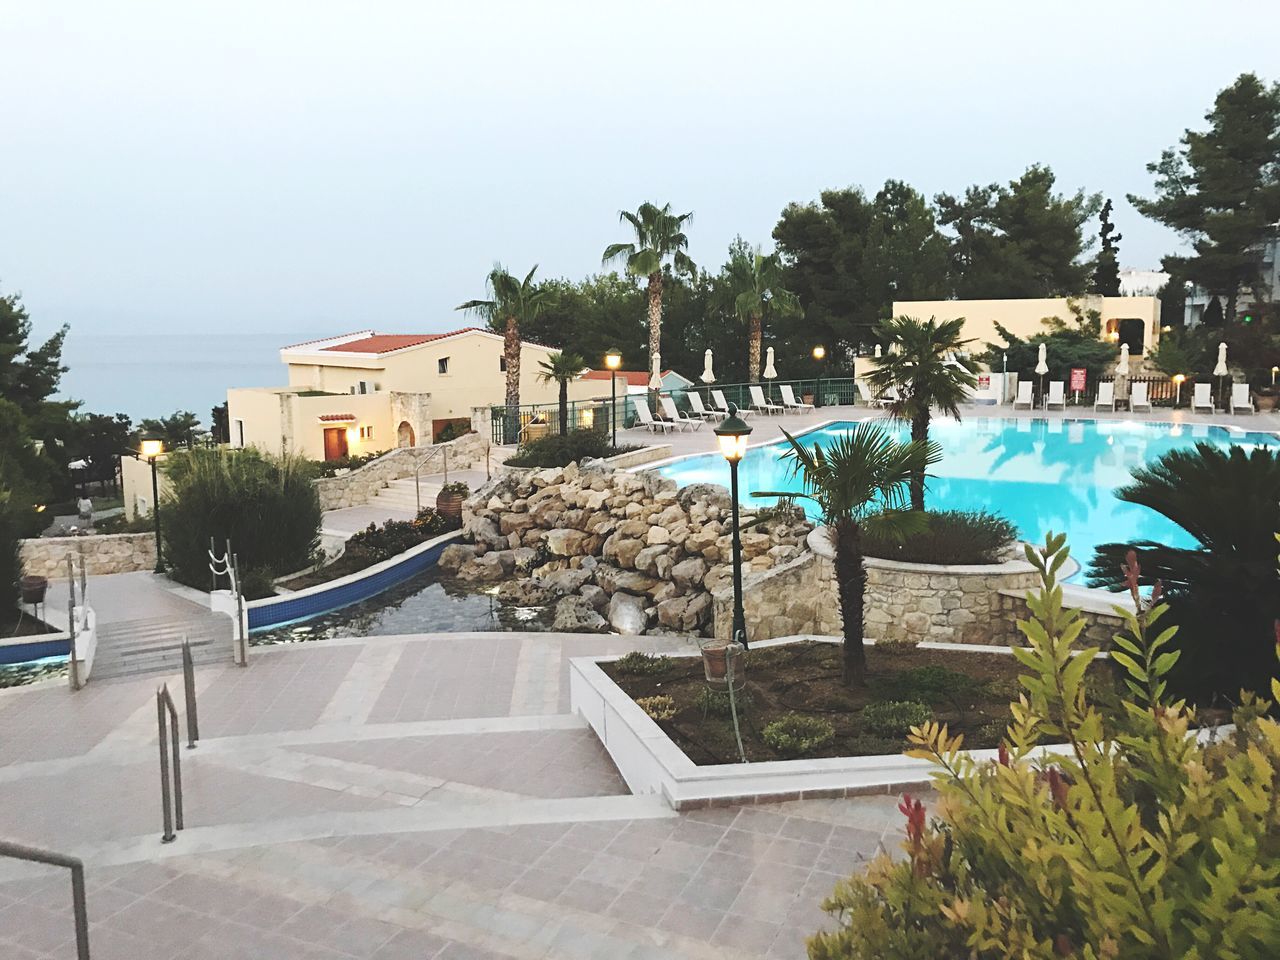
(1056, 398)
(1106, 397)
(1023, 399)
(758, 402)
(1240, 399)
(1202, 399)
(1138, 402)
(790, 402)
(698, 410)
(868, 397)
(646, 418)
(676, 417)
(717, 397)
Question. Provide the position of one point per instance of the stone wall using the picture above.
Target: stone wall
(360, 485)
(104, 553)
(904, 601)
(613, 549)
(1101, 621)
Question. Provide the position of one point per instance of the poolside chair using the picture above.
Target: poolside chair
(758, 402)
(790, 402)
(1202, 399)
(1240, 399)
(646, 418)
(1106, 397)
(676, 417)
(1056, 399)
(717, 397)
(869, 398)
(698, 410)
(1138, 402)
(1023, 399)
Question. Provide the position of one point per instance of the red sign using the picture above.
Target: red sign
(1077, 379)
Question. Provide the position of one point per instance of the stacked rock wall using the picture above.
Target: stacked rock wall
(103, 553)
(361, 484)
(610, 549)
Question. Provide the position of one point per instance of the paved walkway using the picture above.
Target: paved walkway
(394, 797)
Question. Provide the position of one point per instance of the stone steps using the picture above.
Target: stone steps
(154, 645)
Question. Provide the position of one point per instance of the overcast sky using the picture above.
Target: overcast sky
(316, 166)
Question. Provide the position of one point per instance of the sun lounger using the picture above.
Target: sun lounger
(1023, 399)
(676, 417)
(789, 400)
(1106, 397)
(1138, 402)
(1202, 399)
(646, 418)
(758, 402)
(1240, 402)
(697, 409)
(717, 397)
(1056, 398)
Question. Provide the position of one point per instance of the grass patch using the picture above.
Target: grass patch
(798, 685)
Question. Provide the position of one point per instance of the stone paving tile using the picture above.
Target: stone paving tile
(450, 678)
(539, 763)
(282, 689)
(51, 722)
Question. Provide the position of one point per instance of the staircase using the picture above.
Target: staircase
(398, 496)
(128, 648)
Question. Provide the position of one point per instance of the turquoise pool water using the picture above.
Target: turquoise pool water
(1041, 474)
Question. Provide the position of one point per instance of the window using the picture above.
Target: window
(442, 365)
(502, 364)
(239, 433)
(366, 433)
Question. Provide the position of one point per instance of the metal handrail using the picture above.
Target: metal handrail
(73, 667)
(171, 804)
(19, 851)
(189, 690)
(421, 462)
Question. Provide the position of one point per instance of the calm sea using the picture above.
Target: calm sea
(154, 375)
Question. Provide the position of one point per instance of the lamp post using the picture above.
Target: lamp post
(612, 361)
(819, 354)
(151, 448)
(733, 433)
(1178, 379)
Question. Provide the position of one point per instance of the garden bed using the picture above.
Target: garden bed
(968, 691)
(375, 544)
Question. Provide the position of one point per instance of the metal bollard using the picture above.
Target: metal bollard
(189, 690)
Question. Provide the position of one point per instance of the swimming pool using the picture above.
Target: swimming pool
(1040, 474)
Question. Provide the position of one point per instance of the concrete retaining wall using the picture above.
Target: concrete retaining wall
(360, 485)
(103, 553)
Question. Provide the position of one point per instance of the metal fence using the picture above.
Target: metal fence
(532, 421)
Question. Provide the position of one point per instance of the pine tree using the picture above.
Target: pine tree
(1106, 271)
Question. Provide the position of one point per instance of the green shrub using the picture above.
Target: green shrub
(266, 506)
(330, 468)
(1137, 841)
(952, 537)
(796, 734)
(143, 523)
(929, 684)
(558, 450)
(660, 707)
(256, 583)
(640, 664)
(10, 566)
(715, 702)
(378, 543)
(895, 718)
(897, 646)
(456, 488)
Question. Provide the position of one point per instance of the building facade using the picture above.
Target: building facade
(368, 392)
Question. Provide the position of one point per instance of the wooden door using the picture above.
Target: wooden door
(335, 443)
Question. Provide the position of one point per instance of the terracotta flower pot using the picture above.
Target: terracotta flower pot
(715, 661)
(449, 504)
(33, 589)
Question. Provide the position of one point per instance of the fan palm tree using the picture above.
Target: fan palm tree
(512, 302)
(1224, 593)
(561, 368)
(858, 482)
(924, 369)
(755, 284)
(659, 236)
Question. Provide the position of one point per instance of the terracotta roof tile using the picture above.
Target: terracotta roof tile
(387, 342)
(337, 417)
(633, 378)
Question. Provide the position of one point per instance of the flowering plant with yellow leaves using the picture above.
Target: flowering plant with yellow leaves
(1118, 834)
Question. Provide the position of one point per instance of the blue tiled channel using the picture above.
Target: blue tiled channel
(325, 598)
(34, 649)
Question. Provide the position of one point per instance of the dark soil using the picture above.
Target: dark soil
(350, 562)
(15, 623)
(972, 697)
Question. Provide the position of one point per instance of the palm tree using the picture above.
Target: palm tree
(511, 303)
(562, 367)
(659, 235)
(858, 483)
(1224, 593)
(924, 368)
(755, 284)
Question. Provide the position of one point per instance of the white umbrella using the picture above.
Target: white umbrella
(1221, 369)
(769, 372)
(655, 381)
(877, 351)
(1122, 368)
(707, 375)
(1042, 362)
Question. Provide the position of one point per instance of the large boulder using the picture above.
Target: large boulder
(493, 566)
(455, 555)
(527, 592)
(658, 536)
(689, 573)
(510, 523)
(565, 541)
(627, 613)
(485, 532)
(711, 494)
(577, 615)
(647, 560)
(622, 550)
(594, 595)
(564, 582)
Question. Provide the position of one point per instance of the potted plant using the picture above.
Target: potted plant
(1267, 398)
(33, 589)
(449, 499)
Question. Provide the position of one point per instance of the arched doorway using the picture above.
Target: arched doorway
(404, 435)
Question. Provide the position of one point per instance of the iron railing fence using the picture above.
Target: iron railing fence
(531, 421)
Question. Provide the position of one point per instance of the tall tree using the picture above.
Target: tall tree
(857, 482)
(1220, 190)
(561, 368)
(848, 258)
(178, 429)
(926, 370)
(755, 284)
(1019, 240)
(29, 376)
(512, 304)
(659, 238)
(1106, 269)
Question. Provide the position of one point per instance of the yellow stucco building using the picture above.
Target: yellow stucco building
(366, 392)
(1132, 320)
